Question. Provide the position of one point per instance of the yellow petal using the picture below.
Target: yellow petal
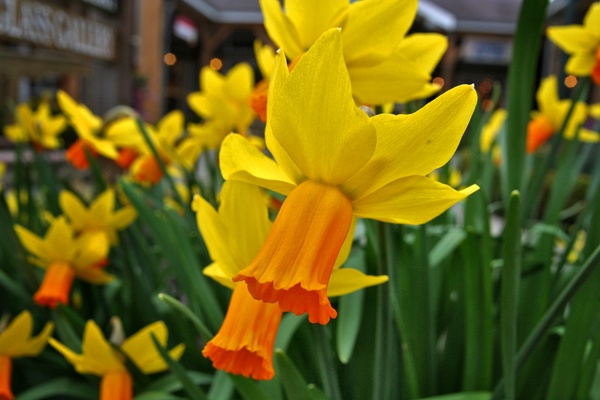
(572, 38)
(211, 81)
(581, 64)
(588, 136)
(393, 80)
(122, 218)
(60, 240)
(246, 217)
(70, 355)
(218, 273)
(36, 344)
(280, 74)
(314, 117)
(141, 350)
(14, 338)
(313, 17)
(91, 247)
(125, 132)
(415, 144)
(98, 355)
(170, 127)
(215, 235)
(348, 280)
(103, 205)
(591, 21)
(241, 161)
(74, 209)
(548, 101)
(280, 28)
(411, 200)
(265, 58)
(346, 246)
(424, 49)
(386, 20)
(33, 243)
(240, 82)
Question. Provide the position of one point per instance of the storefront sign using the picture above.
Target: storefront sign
(42, 24)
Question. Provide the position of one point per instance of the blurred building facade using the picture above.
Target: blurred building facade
(148, 53)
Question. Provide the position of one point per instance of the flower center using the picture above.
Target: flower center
(56, 286)
(5, 374)
(116, 385)
(295, 262)
(539, 130)
(76, 154)
(596, 70)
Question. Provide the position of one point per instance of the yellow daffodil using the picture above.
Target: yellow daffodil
(384, 65)
(491, 129)
(88, 127)
(65, 256)
(165, 138)
(224, 102)
(265, 58)
(100, 216)
(234, 236)
(551, 116)
(38, 127)
(100, 358)
(582, 43)
(334, 162)
(16, 341)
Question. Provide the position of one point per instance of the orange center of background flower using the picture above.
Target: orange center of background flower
(148, 171)
(539, 130)
(76, 154)
(596, 70)
(244, 343)
(295, 262)
(258, 99)
(116, 385)
(56, 286)
(5, 376)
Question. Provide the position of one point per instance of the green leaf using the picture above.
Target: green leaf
(509, 294)
(60, 387)
(442, 249)
(248, 388)
(221, 387)
(183, 309)
(350, 311)
(462, 396)
(171, 383)
(521, 84)
(294, 385)
(194, 392)
(157, 396)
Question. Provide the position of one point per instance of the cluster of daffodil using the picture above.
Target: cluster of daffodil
(290, 193)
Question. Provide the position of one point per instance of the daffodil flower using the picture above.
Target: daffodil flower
(234, 235)
(582, 43)
(38, 127)
(388, 68)
(265, 58)
(88, 127)
(145, 168)
(490, 130)
(64, 256)
(100, 216)
(551, 115)
(223, 102)
(16, 341)
(100, 358)
(334, 162)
